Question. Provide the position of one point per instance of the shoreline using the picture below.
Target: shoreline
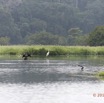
(54, 50)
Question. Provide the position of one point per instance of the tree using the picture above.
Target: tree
(21, 18)
(37, 25)
(75, 31)
(96, 37)
(75, 37)
(82, 40)
(93, 15)
(8, 27)
(4, 40)
(43, 38)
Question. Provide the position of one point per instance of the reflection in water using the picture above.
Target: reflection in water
(49, 81)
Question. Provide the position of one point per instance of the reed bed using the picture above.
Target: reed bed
(54, 50)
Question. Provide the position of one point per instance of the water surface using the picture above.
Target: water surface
(51, 80)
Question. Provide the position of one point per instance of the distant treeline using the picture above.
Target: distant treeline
(60, 22)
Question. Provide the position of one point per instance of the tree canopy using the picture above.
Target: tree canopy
(96, 37)
(20, 19)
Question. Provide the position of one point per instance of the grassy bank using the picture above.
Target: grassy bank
(101, 74)
(54, 50)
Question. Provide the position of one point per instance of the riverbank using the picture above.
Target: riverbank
(54, 50)
(101, 74)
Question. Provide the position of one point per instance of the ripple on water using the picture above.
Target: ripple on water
(62, 92)
(51, 81)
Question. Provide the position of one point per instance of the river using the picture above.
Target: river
(51, 80)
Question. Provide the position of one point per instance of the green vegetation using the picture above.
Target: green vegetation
(4, 40)
(65, 22)
(101, 74)
(54, 50)
(96, 37)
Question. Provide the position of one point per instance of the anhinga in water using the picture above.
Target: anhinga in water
(26, 55)
(82, 67)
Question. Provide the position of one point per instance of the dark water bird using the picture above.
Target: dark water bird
(82, 67)
(26, 55)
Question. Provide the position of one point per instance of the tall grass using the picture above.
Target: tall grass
(54, 50)
(101, 74)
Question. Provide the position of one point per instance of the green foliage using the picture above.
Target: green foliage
(57, 51)
(54, 50)
(8, 27)
(44, 38)
(4, 40)
(96, 38)
(76, 37)
(101, 74)
(9, 51)
(42, 51)
(71, 40)
(82, 40)
(85, 51)
(29, 50)
(75, 31)
(23, 18)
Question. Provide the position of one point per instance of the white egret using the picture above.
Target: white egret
(47, 54)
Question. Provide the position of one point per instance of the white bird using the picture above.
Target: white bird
(47, 54)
